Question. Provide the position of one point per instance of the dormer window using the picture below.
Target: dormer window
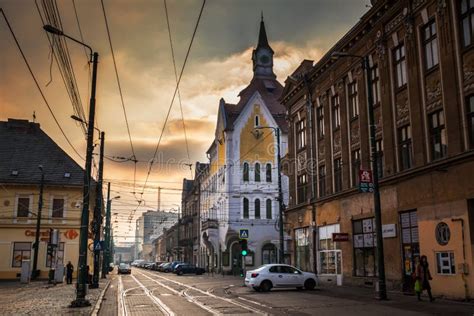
(257, 121)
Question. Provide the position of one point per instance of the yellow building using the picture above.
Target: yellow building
(23, 148)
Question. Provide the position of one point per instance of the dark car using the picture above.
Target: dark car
(172, 266)
(124, 268)
(162, 267)
(187, 268)
(155, 265)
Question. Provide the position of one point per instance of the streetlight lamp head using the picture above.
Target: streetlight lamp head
(51, 29)
(337, 55)
(40, 167)
(117, 197)
(76, 118)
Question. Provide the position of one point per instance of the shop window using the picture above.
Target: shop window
(364, 247)
(410, 247)
(257, 172)
(246, 208)
(329, 251)
(245, 175)
(257, 209)
(404, 145)
(269, 254)
(269, 209)
(430, 42)
(58, 208)
(60, 256)
(23, 207)
(353, 100)
(302, 248)
(470, 119)
(467, 21)
(445, 262)
(268, 172)
(21, 251)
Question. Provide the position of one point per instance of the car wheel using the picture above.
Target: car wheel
(309, 284)
(180, 273)
(257, 289)
(266, 286)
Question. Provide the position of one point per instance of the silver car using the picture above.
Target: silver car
(271, 276)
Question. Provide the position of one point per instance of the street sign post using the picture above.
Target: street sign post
(244, 234)
(366, 184)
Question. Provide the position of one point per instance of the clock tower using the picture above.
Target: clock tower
(262, 56)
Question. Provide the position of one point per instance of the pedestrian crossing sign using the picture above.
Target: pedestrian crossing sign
(244, 234)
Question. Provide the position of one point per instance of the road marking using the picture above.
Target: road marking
(250, 308)
(120, 298)
(253, 302)
(165, 309)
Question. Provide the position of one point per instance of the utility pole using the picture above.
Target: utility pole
(97, 222)
(159, 199)
(106, 251)
(34, 271)
(280, 200)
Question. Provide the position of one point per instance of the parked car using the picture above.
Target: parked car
(124, 268)
(162, 267)
(174, 264)
(136, 263)
(156, 265)
(185, 268)
(271, 276)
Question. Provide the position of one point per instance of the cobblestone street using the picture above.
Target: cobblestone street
(41, 298)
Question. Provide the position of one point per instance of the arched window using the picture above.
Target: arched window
(269, 172)
(246, 208)
(257, 208)
(269, 209)
(257, 120)
(246, 172)
(257, 172)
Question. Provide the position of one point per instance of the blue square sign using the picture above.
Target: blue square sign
(244, 234)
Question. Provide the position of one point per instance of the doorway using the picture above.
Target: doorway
(410, 248)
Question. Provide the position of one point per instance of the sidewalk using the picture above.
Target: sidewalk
(41, 298)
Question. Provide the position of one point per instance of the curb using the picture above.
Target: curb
(97, 305)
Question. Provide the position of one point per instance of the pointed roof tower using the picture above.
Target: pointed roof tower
(262, 37)
(262, 55)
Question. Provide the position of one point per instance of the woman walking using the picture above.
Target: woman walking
(423, 277)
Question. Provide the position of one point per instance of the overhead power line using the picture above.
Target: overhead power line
(37, 84)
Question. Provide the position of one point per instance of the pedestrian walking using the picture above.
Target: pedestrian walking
(69, 271)
(423, 277)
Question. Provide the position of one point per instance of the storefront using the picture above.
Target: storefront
(329, 255)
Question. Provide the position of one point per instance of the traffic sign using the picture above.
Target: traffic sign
(366, 184)
(244, 234)
(97, 246)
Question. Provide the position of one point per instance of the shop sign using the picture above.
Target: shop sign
(340, 237)
(443, 234)
(366, 184)
(389, 231)
(71, 234)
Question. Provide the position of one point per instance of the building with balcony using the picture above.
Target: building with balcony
(421, 66)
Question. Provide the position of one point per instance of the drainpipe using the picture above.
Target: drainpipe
(463, 272)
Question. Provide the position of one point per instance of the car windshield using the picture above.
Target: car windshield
(124, 265)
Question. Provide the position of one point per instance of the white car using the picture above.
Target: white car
(269, 276)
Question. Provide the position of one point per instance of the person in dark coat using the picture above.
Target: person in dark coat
(423, 275)
(69, 271)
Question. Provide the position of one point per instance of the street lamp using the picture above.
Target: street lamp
(382, 293)
(35, 272)
(106, 252)
(81, 292)
(281, 207)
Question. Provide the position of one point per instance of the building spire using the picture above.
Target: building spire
(262, 36)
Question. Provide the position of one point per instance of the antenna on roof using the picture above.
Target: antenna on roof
(34, 117)
(262, 15)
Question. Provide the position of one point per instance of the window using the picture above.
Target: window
(320, 115)
(269, 254)
(355, 157)
(400, 65)
(246, 172)
(257, 172)
(60, 256)
(467, 21)
(300, 134)
(21, 251)
(246, 208)
(301, 188)
(23, 208)
(404, 139)
(375, 79)
(437, 135)
(322, 180)
(470, 119)
(353, 100)
(337, 175)
(379, 153)
(302, 248)
(268, 176)
(364, 247)
(336, 112)
(257, 209)
(269, 209)
(58, 208)
(257, 121)
(445, 263)
(329, 253)
(430, 42)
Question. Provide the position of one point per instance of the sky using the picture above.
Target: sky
(219, 65)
